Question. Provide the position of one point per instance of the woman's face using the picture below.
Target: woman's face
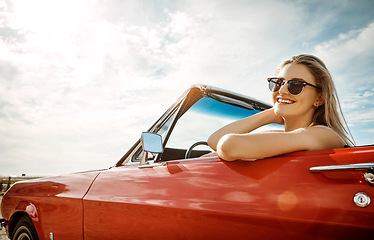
(301, 105)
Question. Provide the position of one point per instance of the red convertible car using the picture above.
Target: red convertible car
(167, 187)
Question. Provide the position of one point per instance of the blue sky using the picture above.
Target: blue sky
(80, 80)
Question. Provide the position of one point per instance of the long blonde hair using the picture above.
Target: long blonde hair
(330, 113)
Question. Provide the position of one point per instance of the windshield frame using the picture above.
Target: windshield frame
(183, 104)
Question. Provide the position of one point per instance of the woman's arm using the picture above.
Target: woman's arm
(245, 125)
(268, 144)
(235, 140)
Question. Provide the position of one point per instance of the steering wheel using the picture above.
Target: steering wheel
(189, 151)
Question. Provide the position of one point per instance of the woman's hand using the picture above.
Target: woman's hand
(211, 154)
(272, 117)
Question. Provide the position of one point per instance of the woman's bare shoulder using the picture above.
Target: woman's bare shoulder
(325, 137)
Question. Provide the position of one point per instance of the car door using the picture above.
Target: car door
(206, 198)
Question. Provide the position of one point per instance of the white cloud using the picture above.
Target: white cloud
(350, 57)
(358, 99)
(80, 80)
(347, 47)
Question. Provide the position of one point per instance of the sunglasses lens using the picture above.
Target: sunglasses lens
(295, 87)
(274, 85)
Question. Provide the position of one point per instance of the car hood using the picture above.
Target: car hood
(73, 185)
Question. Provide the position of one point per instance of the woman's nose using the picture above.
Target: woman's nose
(283, 88)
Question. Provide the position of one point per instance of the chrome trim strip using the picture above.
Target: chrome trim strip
(149, 165)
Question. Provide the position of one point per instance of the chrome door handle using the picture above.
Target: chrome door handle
(350, 167)
(366, 168)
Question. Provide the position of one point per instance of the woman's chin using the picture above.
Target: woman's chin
(282, 111)
(279, 109)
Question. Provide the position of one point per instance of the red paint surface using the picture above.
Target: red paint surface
(54, 204)
(204, 198)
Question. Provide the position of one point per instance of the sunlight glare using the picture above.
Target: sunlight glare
(50, 16)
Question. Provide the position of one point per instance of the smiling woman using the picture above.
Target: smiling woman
(305, 102)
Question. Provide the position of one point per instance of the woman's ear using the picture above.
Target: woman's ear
(319, 100)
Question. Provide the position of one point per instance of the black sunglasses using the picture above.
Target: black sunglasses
(294, 86)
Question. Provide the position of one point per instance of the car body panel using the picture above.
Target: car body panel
(206, 198)
(54, 204)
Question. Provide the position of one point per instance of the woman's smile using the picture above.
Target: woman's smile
(282, 100)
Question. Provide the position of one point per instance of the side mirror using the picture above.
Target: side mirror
(152, 143)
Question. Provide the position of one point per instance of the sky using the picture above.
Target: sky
(81, 79)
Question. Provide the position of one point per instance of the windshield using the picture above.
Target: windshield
(202, 119)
